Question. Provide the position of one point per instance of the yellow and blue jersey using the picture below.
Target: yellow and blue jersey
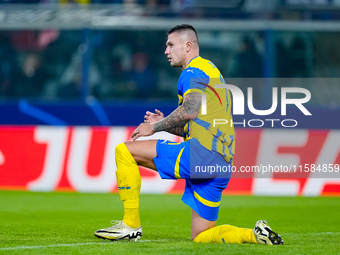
(205, 157)
(201, 76)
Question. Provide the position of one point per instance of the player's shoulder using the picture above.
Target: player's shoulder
(193, 72)
(202, 65)
(194, 68)
(199, 62)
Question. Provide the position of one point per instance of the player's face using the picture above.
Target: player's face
(175, 50)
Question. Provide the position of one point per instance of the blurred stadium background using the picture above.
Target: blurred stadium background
(77, 76)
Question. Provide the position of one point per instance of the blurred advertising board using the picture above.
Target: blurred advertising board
(81, 158)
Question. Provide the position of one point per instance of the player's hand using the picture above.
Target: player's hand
(144, 129)
(151, 117)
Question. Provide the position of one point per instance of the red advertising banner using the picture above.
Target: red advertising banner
(267, 161)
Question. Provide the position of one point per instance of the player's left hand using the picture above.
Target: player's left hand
(151, 117)
(144, 129)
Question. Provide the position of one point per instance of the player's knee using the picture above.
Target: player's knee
(123, 155)
(120, 149)
(194, 234)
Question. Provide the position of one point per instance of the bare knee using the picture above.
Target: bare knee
(199, 230)
(199, 224)
(143, 152)
(195, 234)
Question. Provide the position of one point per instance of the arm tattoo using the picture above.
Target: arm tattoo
(176, 131)
(175, 122)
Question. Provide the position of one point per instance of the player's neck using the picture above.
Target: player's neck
(191, 57)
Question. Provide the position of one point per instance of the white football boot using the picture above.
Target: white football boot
(119, 231)
(265, 235)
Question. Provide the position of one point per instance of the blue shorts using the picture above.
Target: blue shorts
(206, 174)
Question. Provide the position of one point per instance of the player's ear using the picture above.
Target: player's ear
(188, 46)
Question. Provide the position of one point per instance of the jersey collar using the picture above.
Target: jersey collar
(192, 60)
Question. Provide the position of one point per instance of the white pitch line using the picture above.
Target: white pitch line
(69, 245)
(158, 240)
(316, 234)
(47, 246)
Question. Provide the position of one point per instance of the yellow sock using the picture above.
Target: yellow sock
(129, 183)
(226, 234)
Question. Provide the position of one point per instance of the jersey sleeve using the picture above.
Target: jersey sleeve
(192, 80)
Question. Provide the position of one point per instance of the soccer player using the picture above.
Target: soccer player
(203, 159)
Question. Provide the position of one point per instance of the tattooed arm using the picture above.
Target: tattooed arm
(151, 118)
(176, 131)
(175, 122)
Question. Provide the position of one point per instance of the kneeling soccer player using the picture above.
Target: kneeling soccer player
(205, 144)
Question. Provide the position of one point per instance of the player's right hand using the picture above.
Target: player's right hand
(144, 129)
(151, 117)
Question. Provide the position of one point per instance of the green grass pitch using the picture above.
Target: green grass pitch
(63, 223)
